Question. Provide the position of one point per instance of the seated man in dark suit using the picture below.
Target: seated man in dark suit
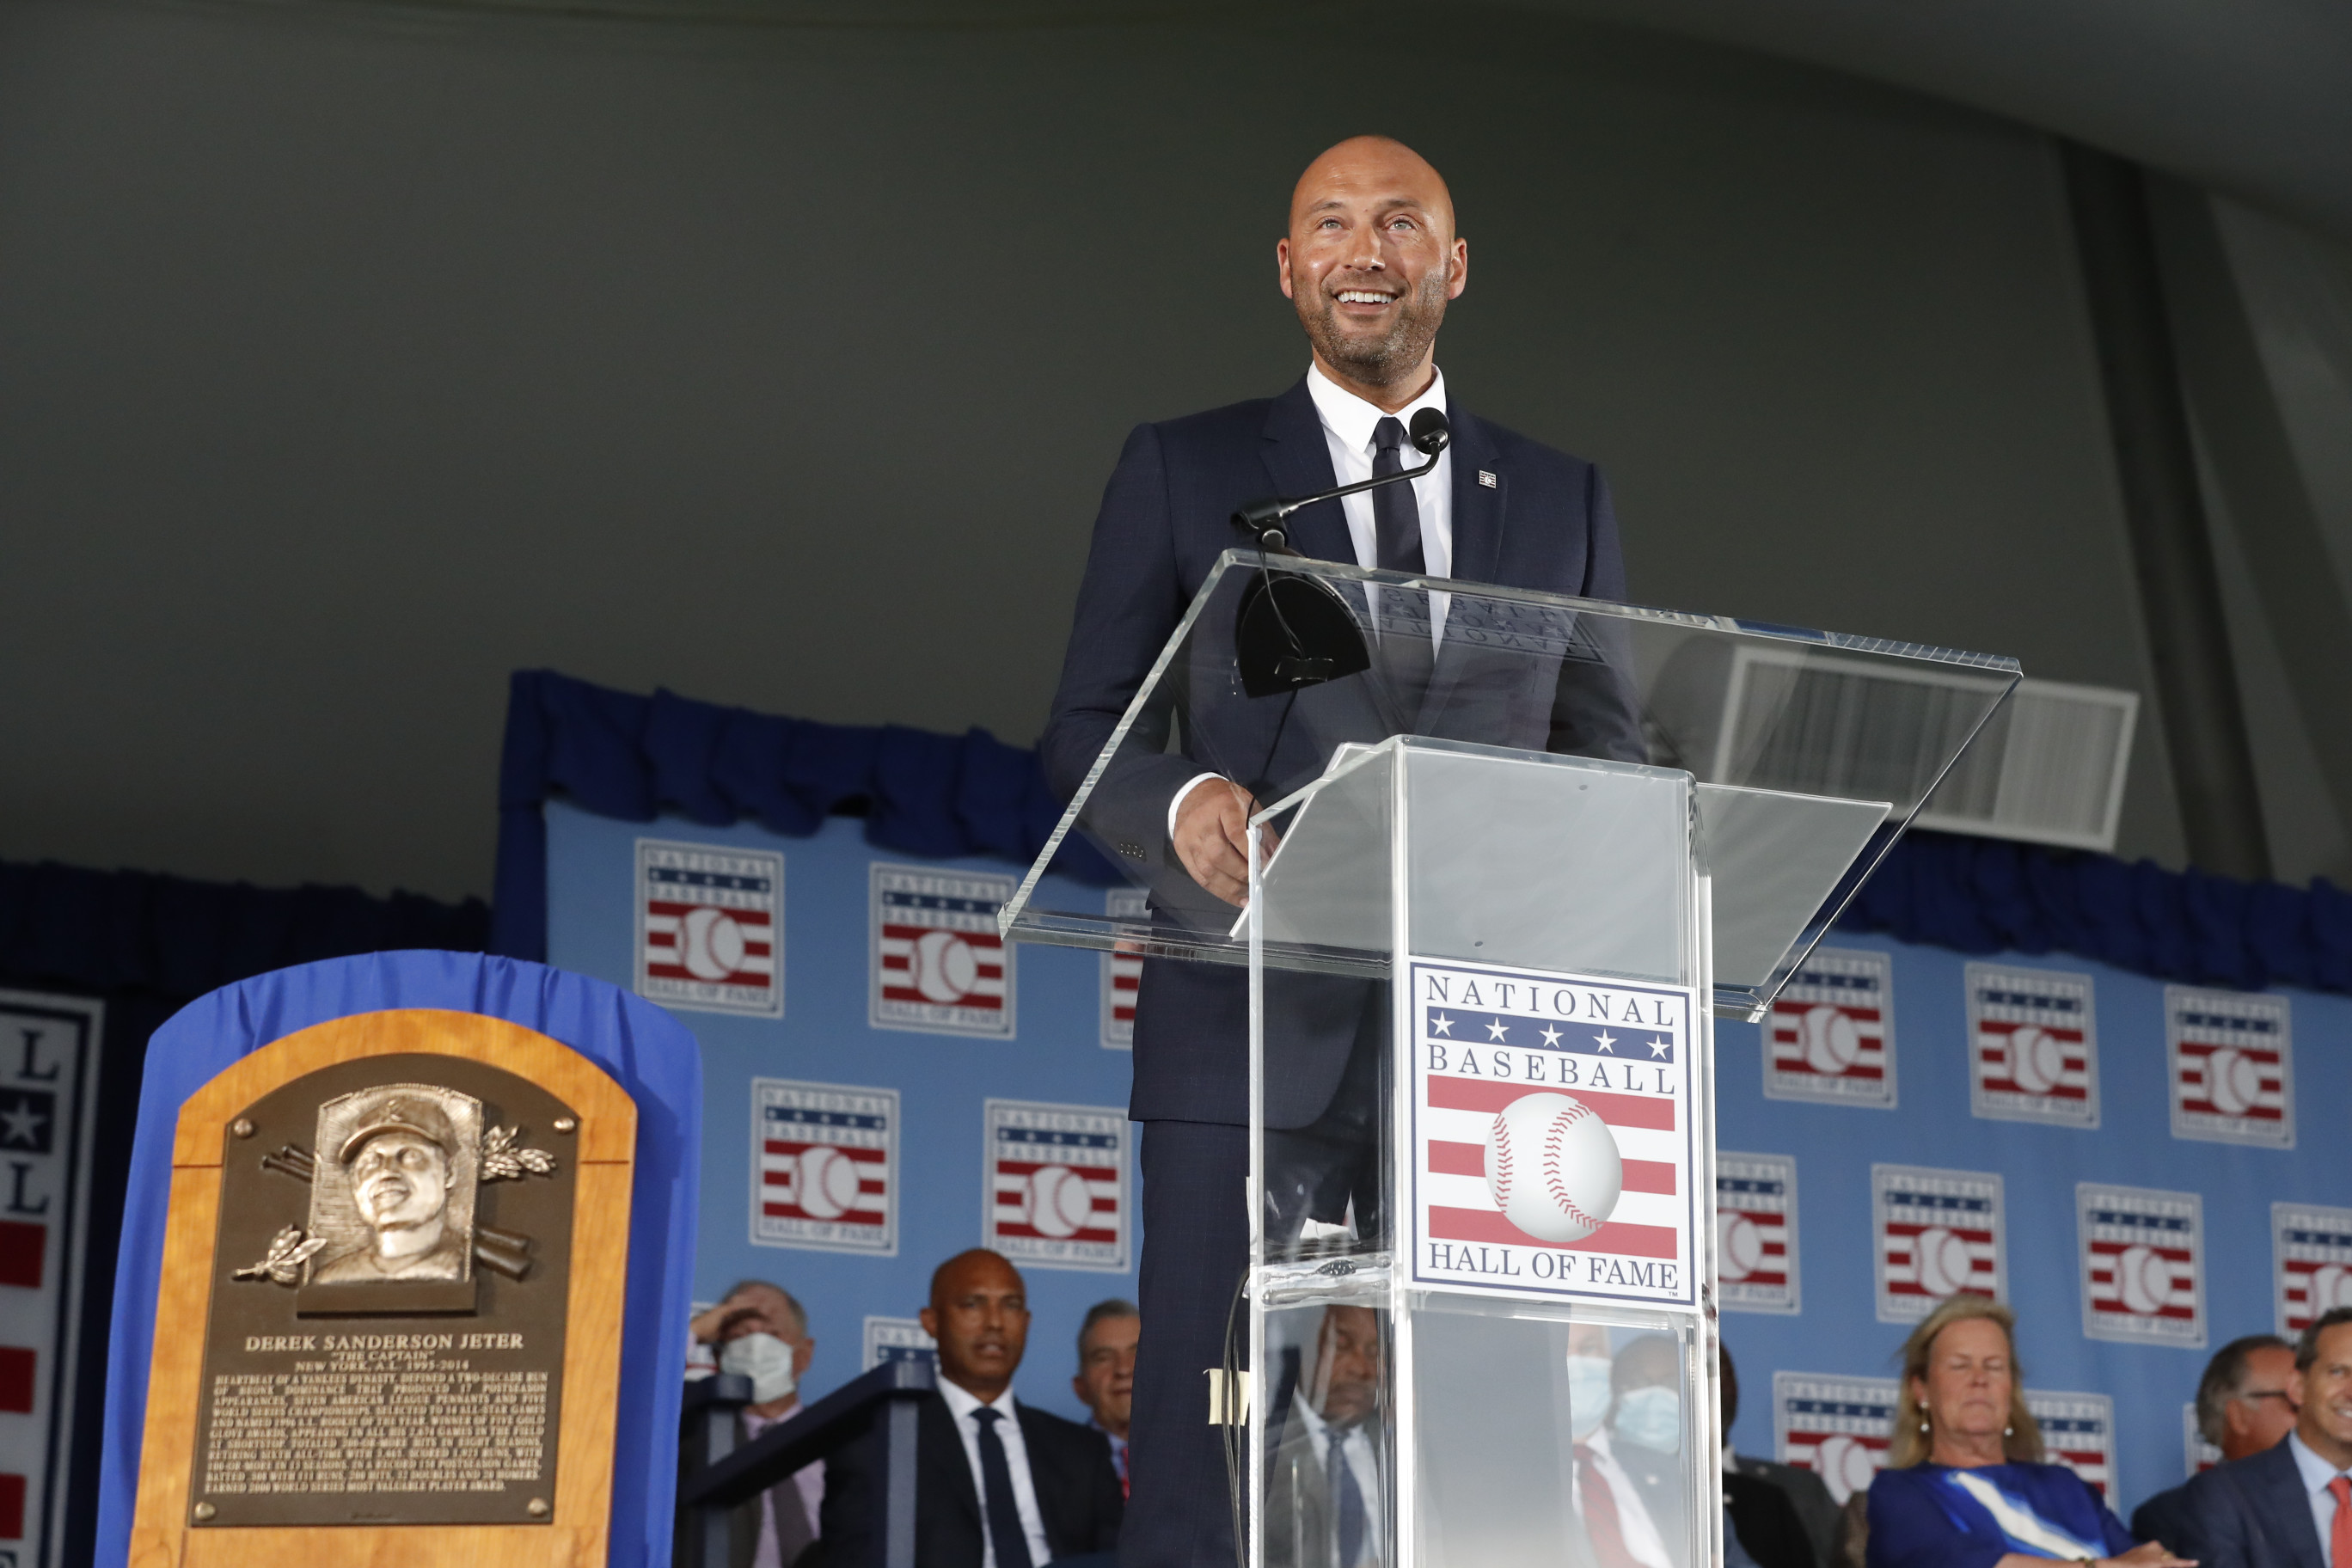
(997, 1484)
(2289, 1506)
(1815, 1509)
(2242, 1409)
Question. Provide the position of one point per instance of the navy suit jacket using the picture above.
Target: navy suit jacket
(2249, 1513)
(1544, 523)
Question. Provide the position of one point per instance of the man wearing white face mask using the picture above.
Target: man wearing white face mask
(1613, 1501)
(760, 1331)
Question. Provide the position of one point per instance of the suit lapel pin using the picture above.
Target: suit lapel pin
(1485, 478)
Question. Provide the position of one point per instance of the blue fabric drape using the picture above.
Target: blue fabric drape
(650, 1053)
(631, 757)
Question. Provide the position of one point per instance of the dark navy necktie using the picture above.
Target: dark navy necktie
(1347, 1497)
(1395, 514)
(1004, 1531)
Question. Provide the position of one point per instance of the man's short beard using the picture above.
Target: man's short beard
(1385, 360)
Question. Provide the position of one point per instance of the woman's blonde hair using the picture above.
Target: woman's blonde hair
(1912, 1442)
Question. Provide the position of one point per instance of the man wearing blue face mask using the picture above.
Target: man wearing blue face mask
(1615, 1480)
(760, 1331)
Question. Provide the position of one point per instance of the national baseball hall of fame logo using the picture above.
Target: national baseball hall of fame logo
(1551, 1134)
(1122, 973)
(1831, 1035)
(825, 1166)
(2032, 1045)
(2143, 1265)
(2233, 1059)
(710, 928)
(1055, 1186)
(2078, 1431)
(2311, 1262)
(938, 965)
(1756, 1232)
(48, 1069)
(1938, 1233)
(897, 1338)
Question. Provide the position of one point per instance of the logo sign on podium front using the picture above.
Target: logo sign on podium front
(1553, 1144)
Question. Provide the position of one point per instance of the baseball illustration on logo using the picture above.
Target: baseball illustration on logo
(2232, 1058)
(708, 918)
(1552, 1167)
(1756, 1232)
(1939, 1233)
(1831, 1033)
(825, 1166)
(939, 966)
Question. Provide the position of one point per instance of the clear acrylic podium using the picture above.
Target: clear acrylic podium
(1510, 855)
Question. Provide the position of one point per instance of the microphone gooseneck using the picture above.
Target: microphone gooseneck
(1264, 519)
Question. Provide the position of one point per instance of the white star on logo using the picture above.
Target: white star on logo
(1496, 1029)
(20, 1126)
(1658, 1048)
(1552, 1036)
(1441, 1024)
(1605, 1041)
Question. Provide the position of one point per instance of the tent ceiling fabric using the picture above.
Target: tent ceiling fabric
(2252, 98)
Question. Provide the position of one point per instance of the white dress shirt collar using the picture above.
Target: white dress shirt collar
(1352, 420)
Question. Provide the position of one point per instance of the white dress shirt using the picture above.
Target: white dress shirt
(2318, 1475)
(1355, 1448)
(960, 1405)
(1350, 424)
(1633, 1521)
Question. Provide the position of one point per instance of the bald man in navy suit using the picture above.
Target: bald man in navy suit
(1371, 260)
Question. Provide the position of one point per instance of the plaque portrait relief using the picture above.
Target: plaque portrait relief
(394, 1199)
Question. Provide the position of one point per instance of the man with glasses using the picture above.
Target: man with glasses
(2243, 1408)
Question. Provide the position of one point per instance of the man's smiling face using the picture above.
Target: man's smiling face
(1370, 260)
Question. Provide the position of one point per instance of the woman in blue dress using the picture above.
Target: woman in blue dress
(1964, 1486)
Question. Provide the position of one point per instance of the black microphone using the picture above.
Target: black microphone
(1264, 519)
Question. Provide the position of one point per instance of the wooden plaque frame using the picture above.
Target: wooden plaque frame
(577, 1537)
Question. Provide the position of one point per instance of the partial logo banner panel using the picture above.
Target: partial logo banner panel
(2033, 1044)
(2078, 1431)
(1831, 1036)
(710, 928)
(1122, 974)
(938, 965)
(2311, 1259)
(2233, 1057)
(897, 1338)
(1938, 1233)
(1837, 1427)
(48, 1070)
(2196, 1453)
(1756, 1232)
(2143, 1265)
(1553, 1149)
(1057, 1186)
(825, 1166)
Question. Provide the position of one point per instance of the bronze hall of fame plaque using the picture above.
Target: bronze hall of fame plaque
(389, 1280)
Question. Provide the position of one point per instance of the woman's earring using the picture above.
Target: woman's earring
(1922, 1425)
(2009, 1431)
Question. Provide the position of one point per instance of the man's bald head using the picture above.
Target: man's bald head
(1380, 163)
(1370, 260)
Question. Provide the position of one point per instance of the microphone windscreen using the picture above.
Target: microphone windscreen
(1430, 433)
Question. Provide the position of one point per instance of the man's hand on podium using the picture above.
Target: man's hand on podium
(1212, 837)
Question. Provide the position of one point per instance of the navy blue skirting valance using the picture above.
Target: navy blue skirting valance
(631, 757)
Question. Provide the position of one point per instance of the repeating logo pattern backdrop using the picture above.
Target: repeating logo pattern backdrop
(2118, 1159)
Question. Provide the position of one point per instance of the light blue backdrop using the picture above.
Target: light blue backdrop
(824, 1035)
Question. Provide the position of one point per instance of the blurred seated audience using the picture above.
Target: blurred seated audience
(2288, 1505)
(1105, 1383)
(2243, 1408)
(1965, 1486)
(760, 1330)
(998, 1484)
(1806, 1495)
